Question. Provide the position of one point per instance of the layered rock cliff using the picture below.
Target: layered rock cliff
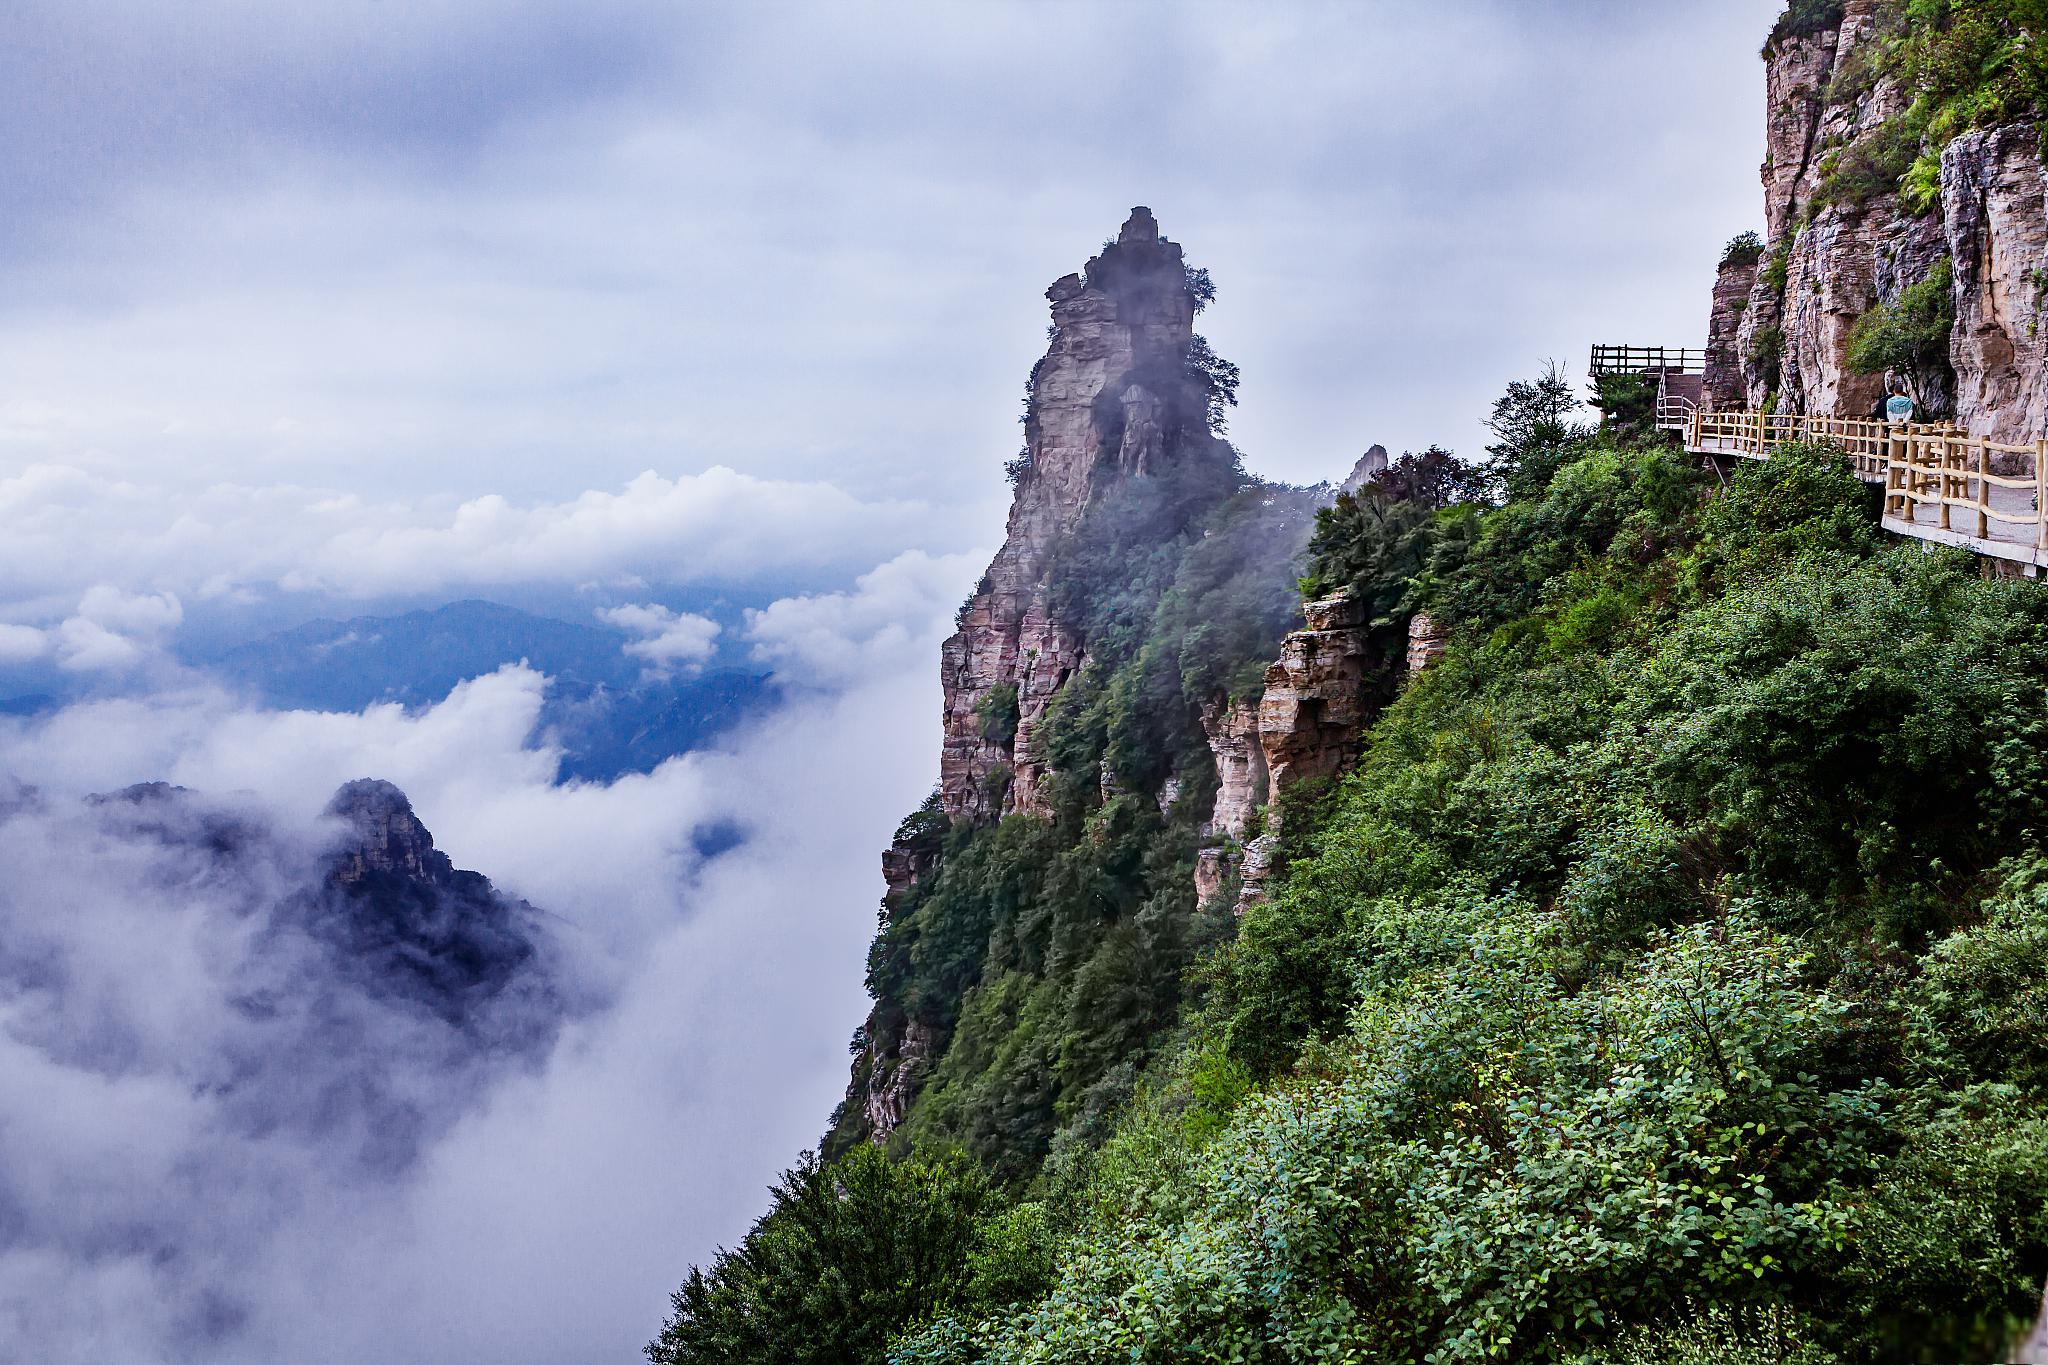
(1862, 202)
(1104, 682)
(1112, 398)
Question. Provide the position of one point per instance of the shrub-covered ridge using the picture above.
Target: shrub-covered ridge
(1665, 982)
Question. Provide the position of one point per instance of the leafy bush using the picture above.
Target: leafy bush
(1627, 404)
(1533, 437)
(848, 1255)
(1910, 334)
(998, 713)
(1744, 249)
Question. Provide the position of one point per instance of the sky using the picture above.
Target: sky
(605, 306)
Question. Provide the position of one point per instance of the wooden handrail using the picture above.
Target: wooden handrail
(2001, 487)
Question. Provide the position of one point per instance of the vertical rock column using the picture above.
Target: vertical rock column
(1110, 400)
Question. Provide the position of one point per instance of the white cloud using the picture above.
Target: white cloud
(828, 638)
(669, 640)
(551, 1221)
(65, 532)
(22, 644)
(113, 630)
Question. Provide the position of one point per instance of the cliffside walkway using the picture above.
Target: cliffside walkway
(1941, 484)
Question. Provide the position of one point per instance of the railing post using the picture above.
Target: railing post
(1983, 492)
(1899, 455)
(2040, 497)
(1947, 478)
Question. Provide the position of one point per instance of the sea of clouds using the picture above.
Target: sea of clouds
(328, 1178)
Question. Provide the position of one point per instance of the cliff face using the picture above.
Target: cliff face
(1842, 240)
(1112, 398)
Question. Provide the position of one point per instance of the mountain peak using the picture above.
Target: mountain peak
(1141, 226)
(384, 835)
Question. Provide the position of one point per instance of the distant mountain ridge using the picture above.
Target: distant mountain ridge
(607, 713)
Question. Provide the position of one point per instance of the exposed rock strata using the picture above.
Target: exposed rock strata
(1370, 466)
(1313, 714)
(1318, 700)
(1427, 641)
(1995, 216)
(894, 1073)
(1722, 384)
(1232, 729)
(1233, 733)
(1843, 253)
(1111, 399)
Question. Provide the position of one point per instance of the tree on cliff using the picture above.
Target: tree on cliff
(1532, 431)
(846, 1256)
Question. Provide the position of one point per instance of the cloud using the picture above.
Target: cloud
(131, 548)
(826, 639)
(669, 640)
(22, 644)
(113, 630)
(548, 1209)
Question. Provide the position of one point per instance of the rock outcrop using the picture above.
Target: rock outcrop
(1722, 385)
(1116, 397)
(1232, 729)
(1994, 213)
(1112, 398)
(1370, 466)
(1320, 695)
(1312, 717)
(406, 917)
(1842, 240)
(1427, 641)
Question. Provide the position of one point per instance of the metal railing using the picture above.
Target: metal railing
(1674, 413)
(1645, 360)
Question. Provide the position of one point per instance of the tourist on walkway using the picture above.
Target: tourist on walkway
(1898, 408)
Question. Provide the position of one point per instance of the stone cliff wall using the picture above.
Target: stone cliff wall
(1110, 399)
(1842, 240)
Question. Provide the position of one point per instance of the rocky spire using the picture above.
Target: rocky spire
(1112, 399)
(384, 836)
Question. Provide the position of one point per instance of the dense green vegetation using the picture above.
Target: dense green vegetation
(1911, 333)
(1669, 982)
(1963, 63)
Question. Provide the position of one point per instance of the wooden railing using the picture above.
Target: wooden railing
(1930, 473)
(1645, 360)
(1866, 442)
(1993, 482)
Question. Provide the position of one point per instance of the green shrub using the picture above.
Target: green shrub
(848, 1255)
(998, 713)
(1744, 249)
(1910, 334)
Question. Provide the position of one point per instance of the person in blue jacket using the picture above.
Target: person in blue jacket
(1898, 407)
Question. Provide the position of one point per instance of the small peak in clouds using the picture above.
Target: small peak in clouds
(670, 641)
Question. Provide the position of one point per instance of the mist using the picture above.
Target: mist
(218, 1147)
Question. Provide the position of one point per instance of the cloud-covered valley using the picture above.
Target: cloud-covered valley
(191, 1089)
